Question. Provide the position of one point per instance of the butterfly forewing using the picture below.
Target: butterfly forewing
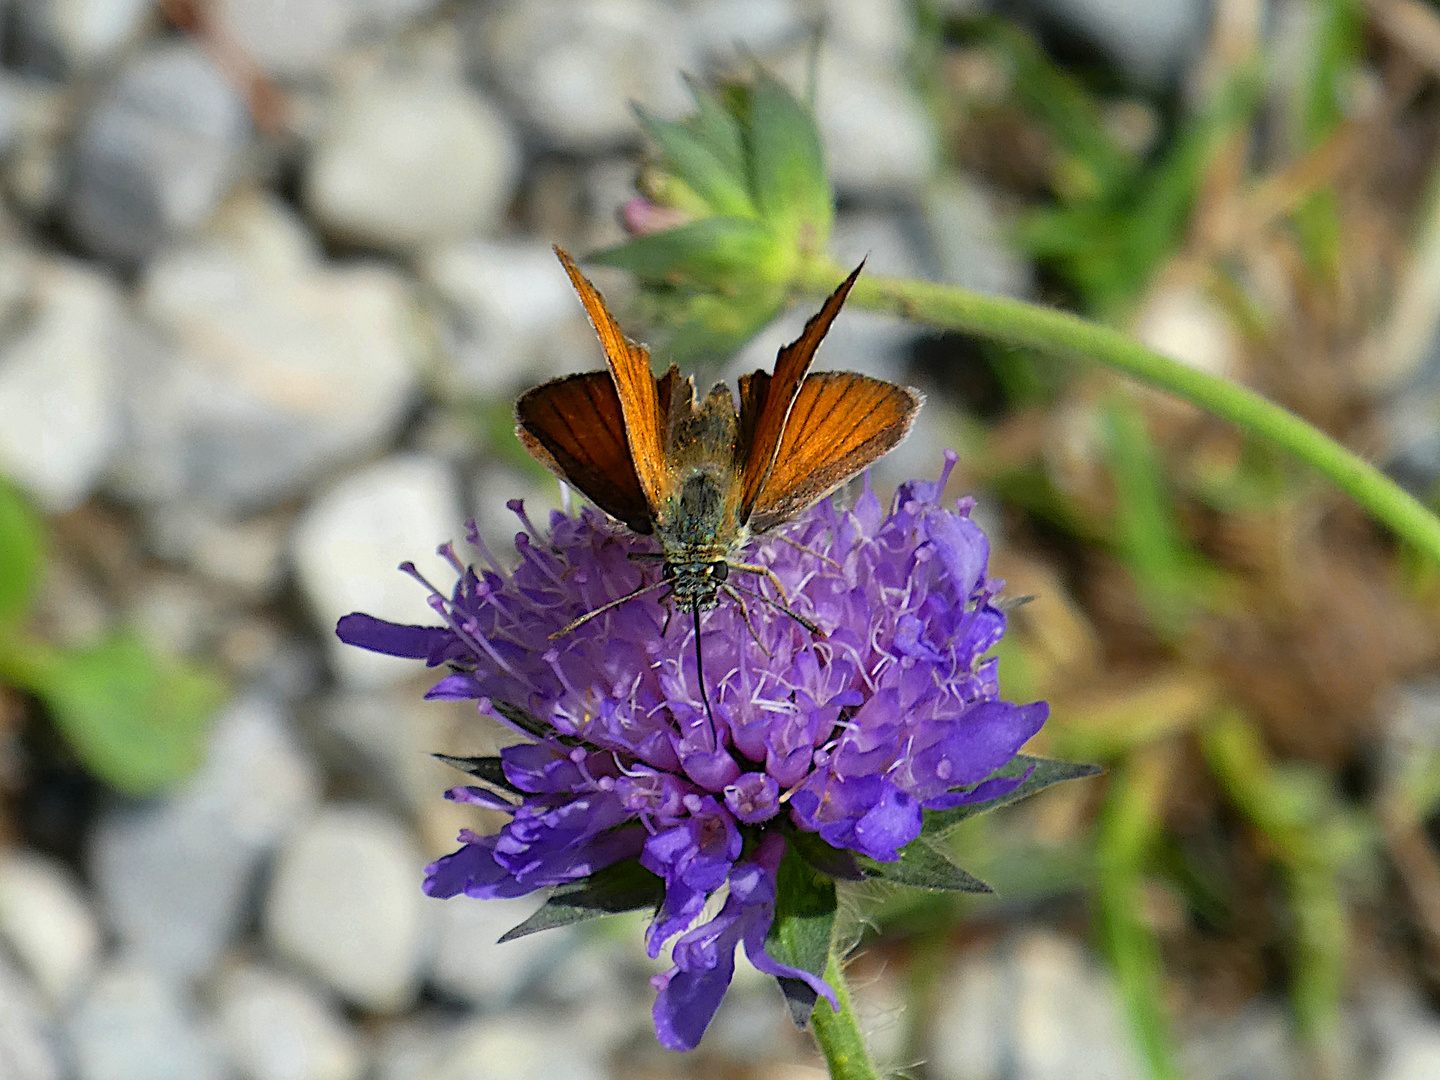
(766, 403)
(635, 387)
(575, 427)
(840, 423)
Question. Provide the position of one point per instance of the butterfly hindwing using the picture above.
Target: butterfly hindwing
(575, 427)
(840, 423)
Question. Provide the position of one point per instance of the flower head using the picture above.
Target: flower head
(851, 737)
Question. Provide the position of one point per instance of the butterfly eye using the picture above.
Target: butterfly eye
(719, 571)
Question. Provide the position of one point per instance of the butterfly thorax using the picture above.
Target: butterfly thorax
(696, 522)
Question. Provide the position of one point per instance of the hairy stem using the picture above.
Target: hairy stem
(838, 1033)
(946, 307)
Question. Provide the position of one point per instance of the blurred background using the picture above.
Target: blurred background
(271, 275)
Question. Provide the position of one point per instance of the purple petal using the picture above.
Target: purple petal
(393, 639)
(983, 792)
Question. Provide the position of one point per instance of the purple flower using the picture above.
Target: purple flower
(852, 736)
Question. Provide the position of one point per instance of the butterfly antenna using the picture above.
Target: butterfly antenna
(583, 619)
(700, 672)
(806, 623)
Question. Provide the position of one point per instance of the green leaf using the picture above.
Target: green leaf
(137, 722)
(718, 179)
(1046, 772)
(625, 886)
(923, 866)
(787, 166)
(531, 725)
(22, 546)
(488, 769)
(800, 934)
(716, 252)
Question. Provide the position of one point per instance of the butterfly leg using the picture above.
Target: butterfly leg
(807, 550)
(806, 623)
(763, 571)
(745, 614)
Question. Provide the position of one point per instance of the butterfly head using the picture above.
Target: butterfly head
(695, 581)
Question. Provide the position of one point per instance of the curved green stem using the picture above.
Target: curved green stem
(838, 1033)
(1018, 323)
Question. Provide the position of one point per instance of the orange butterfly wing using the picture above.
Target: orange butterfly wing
(575, 427)
(767, 402)
(839, 424)
(634, 385)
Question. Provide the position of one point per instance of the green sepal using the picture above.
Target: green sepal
(624, 886)
(489, 769)
(22, 547)
(787, 166)
(137, 722)
(715, 252)
(924, 866)
(800, 935)
(831, 861)
(702, 165)
(1046, 772)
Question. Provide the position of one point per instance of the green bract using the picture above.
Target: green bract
(748, 171)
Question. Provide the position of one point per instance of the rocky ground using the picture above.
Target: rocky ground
(271, 272)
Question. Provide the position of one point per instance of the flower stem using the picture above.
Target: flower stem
(946, 307)
(838, 1033)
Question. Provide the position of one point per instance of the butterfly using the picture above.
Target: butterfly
(704, 477)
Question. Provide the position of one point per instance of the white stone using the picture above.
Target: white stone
(174, 876)
(1043, 1010)
(470, 962)
(59, 427)
(272, 370)
(1149, 41)
(514, 1047)
(879, 140)
(881, 30)
(572, 70)
(406, 163)
(507, 305)
(298, 39)
(157, 154)
(972, 240)
(349, 541)
(276, 1027)
(82, 34)
(47, 922)
(345, 903)
(247, 555)
(134, 1025)
(29, 1047)
(1182, 322)
(721, 27)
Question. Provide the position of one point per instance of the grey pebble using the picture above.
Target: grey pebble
(47, 921)
(269, 369)
(174, 875)
(60, 371)
(572, 70)
(1040, 1008)
(60, 38)
(30, 1046)
(344, 903)
(408, 162)
(348, 542)
(135, 1025)
(157, 154)
(278, 1027)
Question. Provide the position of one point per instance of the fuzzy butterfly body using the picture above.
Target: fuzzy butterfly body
(705, 476)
